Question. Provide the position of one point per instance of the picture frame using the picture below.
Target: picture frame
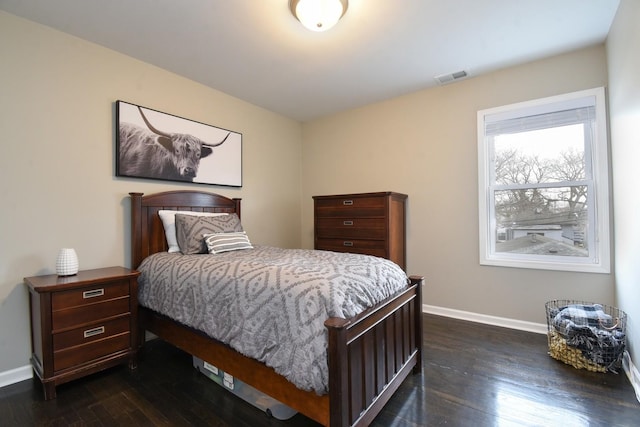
(151, 144)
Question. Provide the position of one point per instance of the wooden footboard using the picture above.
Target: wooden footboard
(370, 356)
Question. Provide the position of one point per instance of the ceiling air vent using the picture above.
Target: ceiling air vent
(448, 78)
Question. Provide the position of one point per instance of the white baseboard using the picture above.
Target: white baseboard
(16, 375)
(632, 373)
(539, 328)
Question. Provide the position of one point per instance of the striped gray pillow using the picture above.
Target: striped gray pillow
(225, 242)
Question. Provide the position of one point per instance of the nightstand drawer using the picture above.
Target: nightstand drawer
(350, 206)
(354, 228)
(81, 315)
(75, 356)
(89, 295)
(90, 333)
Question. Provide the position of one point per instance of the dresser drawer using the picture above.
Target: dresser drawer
(89, 333)
(72, 357)
(362, 251)
(354, 228)
(89, 295)
(80, 315)
(350, 207)
(358, 246)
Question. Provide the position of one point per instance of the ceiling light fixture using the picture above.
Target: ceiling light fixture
(318, 15)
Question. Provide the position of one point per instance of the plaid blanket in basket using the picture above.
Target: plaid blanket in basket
(589, 329)
(574, 315)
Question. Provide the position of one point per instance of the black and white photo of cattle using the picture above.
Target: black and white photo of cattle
(156, 145)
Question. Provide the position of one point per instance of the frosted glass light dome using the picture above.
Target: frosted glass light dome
(319, 15)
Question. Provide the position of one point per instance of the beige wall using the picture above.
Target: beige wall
(424, 145)
(57, 185)
(624, 103)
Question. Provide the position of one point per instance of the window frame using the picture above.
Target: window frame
(597, 174)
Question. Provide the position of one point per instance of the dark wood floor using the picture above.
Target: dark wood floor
(474, 375)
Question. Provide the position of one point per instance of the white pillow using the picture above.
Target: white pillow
(169, 222)
(225, 242)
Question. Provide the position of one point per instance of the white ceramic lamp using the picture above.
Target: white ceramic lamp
(67, 262)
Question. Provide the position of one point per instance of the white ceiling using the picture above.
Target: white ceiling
(257, 51)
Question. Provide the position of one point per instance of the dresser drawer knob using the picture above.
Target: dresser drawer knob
(95, 331)
(347, 202)
(347, 222)
(347, 243)
(93, 293)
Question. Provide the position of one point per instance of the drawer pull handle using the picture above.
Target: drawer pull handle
(347, 243)
(93, 293)
(347, 222)
(347, 202)
(95, 331)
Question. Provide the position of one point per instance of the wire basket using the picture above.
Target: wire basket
(586, 335)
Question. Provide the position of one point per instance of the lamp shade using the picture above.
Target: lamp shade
(318, 15)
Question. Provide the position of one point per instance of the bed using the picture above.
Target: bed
(368, 356)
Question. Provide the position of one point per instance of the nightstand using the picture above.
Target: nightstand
(82, 324)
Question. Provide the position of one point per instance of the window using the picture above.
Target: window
(543, 184)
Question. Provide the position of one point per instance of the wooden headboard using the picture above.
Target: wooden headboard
(147, 232)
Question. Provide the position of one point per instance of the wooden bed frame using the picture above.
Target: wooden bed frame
(369, 356)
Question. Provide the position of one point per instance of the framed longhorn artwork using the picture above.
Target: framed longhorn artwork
(155, 145)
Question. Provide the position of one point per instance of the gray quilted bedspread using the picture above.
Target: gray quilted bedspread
(269, 303)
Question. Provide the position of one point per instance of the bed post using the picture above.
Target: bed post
(236, 208)
(136, 249)
(418, 280)
(338, 372)
(136, 229)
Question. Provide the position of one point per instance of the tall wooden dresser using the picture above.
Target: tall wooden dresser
(365, 223)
